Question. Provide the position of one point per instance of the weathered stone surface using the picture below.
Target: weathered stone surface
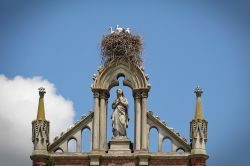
(160, 162)
(75, 162)
(119, 150)
(121, 145)
(114, 162)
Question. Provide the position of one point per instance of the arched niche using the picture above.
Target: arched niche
(107, 78)
(129, 96)
(153, 139)
(167, 145)
(85, 134)
(72, 144)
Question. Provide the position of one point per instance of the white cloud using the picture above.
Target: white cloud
(18, 107)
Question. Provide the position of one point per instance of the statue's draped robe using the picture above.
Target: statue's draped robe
(120, 116)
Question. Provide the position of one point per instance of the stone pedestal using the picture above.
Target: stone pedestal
(119, 145)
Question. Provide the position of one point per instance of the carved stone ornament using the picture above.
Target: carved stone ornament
(198, 128)
(40, 132)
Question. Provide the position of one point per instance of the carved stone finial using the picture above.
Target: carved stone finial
(164, 122)
(76, 122)
(94, 77)
(100, 69)
(198, 91)
(83, 116)
(157, 117)
(41, 92)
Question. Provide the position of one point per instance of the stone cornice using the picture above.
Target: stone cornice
(156, 155)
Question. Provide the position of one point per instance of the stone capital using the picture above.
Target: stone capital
(96, 94)
(137, 94)
(144, 94)
(104, 94)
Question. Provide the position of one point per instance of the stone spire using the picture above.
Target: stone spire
(40, 111)
(198, 110)
(40, 127)
(198, 127)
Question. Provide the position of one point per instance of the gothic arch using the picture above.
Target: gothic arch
(167, 143)
(107, 78)
(72, 141)
(108, 75)
(153, 134)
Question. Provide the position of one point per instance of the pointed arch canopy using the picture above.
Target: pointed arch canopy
(107, 77)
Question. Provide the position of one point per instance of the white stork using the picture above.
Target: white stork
(118, 29)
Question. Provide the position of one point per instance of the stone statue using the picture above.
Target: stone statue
(120, 115)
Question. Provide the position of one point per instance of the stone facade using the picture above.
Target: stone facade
(119, 152)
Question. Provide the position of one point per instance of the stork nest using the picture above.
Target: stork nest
(121, 46)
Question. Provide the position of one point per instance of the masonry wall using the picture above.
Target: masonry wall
(113, 162)
(198, 162)
(75, 162)
(39, 162)
(161, 162)
(122, 162)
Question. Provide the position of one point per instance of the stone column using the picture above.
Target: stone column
(103, 119)
(78, 137)
(107, 97)
(173, 147)
(137, 105)
(160, 139)
(64, 146)
(96, 121)
(144, 132)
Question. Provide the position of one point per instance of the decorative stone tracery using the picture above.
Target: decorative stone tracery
(40, 134)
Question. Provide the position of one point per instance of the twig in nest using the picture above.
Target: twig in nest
(121, 46)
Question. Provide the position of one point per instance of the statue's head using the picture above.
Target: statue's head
(119, 92)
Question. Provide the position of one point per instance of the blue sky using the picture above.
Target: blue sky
(186, 44)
